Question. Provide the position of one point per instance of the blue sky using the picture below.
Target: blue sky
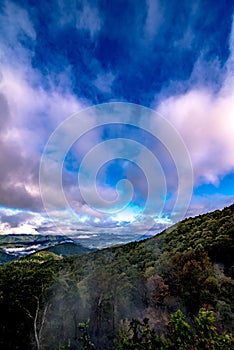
(60, 57)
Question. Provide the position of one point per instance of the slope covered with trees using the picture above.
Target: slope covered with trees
(187, 267)
(14, 246)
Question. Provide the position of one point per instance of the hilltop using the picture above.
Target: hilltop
(185, 267)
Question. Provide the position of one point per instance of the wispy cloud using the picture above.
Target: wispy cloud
(89, 19)
(61, 56)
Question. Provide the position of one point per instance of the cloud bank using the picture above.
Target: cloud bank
(60, 57)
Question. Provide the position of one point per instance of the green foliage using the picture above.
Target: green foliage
(181, 336)
(23, 286)
(207, 336)
(185, 267)
(206, 333)
(85, 338)
(139, 336)
(190, 275)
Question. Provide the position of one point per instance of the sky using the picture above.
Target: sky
(116, 117)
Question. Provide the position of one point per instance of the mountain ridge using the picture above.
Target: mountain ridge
(185, 267)
(14, 246)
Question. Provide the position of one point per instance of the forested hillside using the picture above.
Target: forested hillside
(14, 246)
(43, 298)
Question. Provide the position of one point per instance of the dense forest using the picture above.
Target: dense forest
(172, 291)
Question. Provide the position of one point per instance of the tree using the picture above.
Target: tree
(85, 339)
(38, 320)
(202, 335)
(207, 337)
(139, 336)
(180, 336)
(157, 290)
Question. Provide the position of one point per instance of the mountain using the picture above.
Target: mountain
(186, 267)
(68, 249)
(15, 246)
(4, 257)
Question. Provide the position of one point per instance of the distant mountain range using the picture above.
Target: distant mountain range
(187, 267)
(15, 246)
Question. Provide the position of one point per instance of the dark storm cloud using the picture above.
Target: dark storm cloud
(16, 169)
(16, 219)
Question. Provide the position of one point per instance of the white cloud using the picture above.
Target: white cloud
(154, 18)
(15, 26)
(104, 82)
(205, 121)
(22, 229)
(206, 124)
(29, 112)
(89, 19)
